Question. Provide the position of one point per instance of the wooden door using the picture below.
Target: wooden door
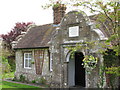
(39, 60)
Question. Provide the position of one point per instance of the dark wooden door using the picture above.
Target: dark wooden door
(79, 70)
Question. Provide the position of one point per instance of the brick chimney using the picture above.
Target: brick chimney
(58, 12)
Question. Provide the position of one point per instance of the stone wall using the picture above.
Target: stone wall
(30, 74)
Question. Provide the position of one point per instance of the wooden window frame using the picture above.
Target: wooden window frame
(29, 60)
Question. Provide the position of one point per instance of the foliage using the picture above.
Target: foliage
(90, 63)
(107, 17)
(8, 75)
(15, 79)
(86, 45)
(8, 38)
(32, 62)
(112, 73)
(5, 65)
(113, 70)
(52, 3)
(22, 78)
(6, 69)
(10, 58)
(111, 80)
(110, 58)
(101, 80)
(16, 31)
(33, 81)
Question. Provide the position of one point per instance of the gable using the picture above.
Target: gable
(77, 27)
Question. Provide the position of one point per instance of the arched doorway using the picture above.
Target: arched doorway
(76, 71)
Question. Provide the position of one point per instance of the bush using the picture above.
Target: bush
(15, 79)
(5, 65)
(113, 70)
(110, 58)
(22, 78)
(33, 81)
(11, 61)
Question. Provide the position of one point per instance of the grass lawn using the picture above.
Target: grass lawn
(10, 85)
(5, 84)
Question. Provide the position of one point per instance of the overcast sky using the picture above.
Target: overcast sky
(13, 11)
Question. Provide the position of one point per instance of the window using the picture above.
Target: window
(50, 60)
(27, 60)
(74, 31)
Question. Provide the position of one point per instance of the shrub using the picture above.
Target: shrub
(11, 61)
(5, 65)
(33, 81)
(110, 58)
(15, 79)
(22, 78)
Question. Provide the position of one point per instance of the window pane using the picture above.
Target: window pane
(51, 62)
(30, 55)
(30, 63)
(26, 62)
(26, 55)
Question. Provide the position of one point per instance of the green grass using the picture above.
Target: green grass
(5, 84)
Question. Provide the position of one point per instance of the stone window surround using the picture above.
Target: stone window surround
(74, 25)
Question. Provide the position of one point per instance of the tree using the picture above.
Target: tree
(7, 51)
(15, 32)
(106, 14)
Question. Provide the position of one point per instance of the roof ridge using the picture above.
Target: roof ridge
(45, 24)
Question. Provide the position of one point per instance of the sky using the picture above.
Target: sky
(13, 11)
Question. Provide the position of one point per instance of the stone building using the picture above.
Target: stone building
(43, 51)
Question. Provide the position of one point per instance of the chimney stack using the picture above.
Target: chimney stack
(58, 12)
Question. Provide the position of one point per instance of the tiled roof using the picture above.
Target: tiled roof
(36, 37)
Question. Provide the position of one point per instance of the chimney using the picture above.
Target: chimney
(58, 12)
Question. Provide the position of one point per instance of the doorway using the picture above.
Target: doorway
(79, 69)
(76, 71)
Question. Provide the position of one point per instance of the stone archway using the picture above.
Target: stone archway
(76, 71)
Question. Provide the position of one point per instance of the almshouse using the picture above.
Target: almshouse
(43, 51)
